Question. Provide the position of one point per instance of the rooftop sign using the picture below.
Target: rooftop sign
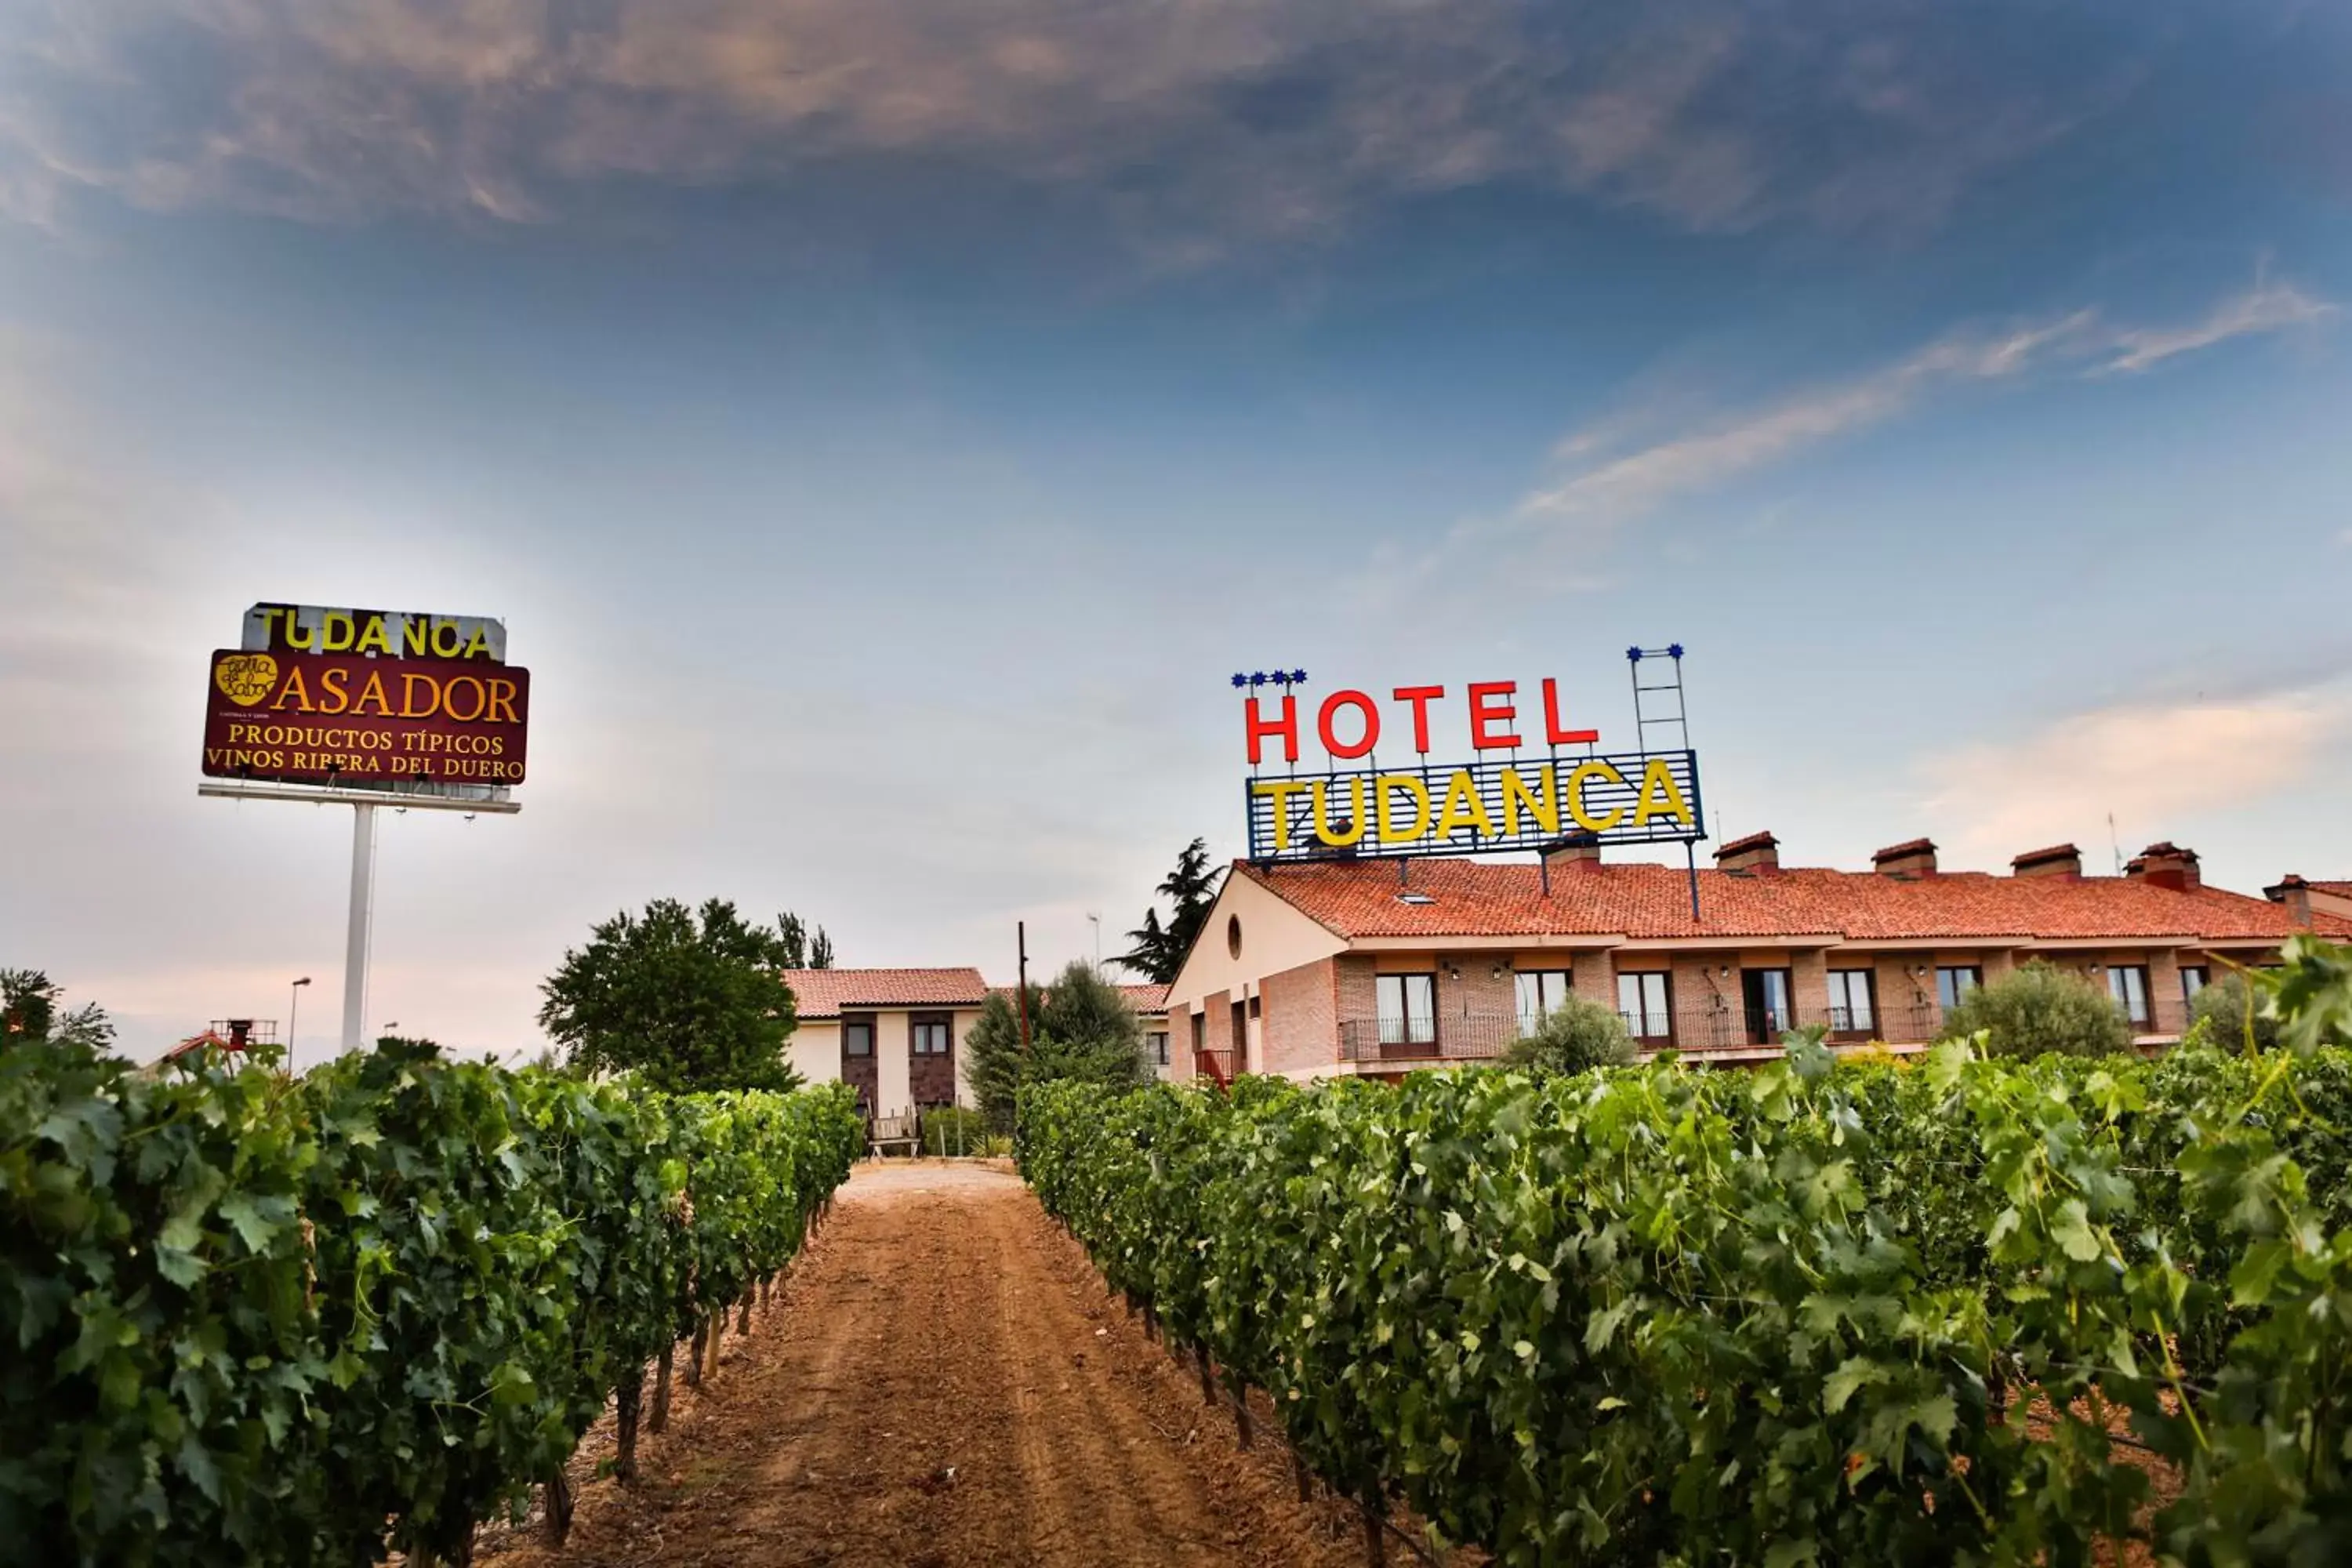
(1534, 777)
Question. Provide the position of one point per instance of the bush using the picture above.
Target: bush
(2040, 1010)
(949, 1130)
(1575, 1036)
(2231, 1011)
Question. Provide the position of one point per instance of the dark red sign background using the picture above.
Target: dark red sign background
(348, 718)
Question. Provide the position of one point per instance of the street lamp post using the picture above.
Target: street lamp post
(293, 1008)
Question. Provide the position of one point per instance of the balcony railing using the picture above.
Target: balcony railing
(1214, 1063)
(1702, 1030)
(1445, 1039)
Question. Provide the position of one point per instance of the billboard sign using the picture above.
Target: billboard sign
(353, 718)
(1532, 781)
(387, 634)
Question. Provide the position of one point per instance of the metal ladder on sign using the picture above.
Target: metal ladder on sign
(1660, 717)
(1658, 699)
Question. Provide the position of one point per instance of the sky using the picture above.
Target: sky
(885, 426)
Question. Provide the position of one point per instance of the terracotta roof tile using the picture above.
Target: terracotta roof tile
(824, 992)
(1141, 998)
(1475, 898)
(1146, 998)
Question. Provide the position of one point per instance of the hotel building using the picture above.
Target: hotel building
(1349, 965)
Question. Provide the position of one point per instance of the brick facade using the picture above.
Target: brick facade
(1300, 1019)
(1352, 975)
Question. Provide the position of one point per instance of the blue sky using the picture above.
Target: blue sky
(883, 425)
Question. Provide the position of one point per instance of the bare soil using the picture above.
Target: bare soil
(944, 1381)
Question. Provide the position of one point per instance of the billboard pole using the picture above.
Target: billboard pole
(355, 942)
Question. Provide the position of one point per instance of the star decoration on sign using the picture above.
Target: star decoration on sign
(1286, 678)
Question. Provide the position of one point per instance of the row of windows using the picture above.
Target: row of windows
(926, 1036)
(1407, 1004)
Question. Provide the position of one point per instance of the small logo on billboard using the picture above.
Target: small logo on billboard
(245, 678)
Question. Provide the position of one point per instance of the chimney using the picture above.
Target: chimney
(2167, 866)
(2057, 860)
(2295, 893)
(1907, 862)
(1574, 851)
(1757, 852)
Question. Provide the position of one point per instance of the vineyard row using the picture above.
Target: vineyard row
(1960, 1313)
(298, 1321)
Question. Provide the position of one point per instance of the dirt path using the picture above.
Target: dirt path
(945, 1383)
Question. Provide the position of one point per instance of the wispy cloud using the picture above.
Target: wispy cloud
(1604, 484)
(1198, 115)
(2151, 765)
(2265, 307)
(1638, 480)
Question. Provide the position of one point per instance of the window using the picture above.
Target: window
(1408, 1007)
(1199, 1033)
(1852, 1001)
(1156, 1043)
(1765, 995)
(2194, 977)
(1541, 991)
(927, 1035)
(1641, 999)
(857, 1036)
(1258, 1006)
(1954, 981)
(2127, 983)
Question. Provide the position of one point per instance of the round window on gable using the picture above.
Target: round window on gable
(1233, 935)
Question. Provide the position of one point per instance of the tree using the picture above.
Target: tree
(1159, 951)
(800, 949)
(994, 1057)
(30, 1000)
(1079, 1028)
(693, 1004)
(2228, 1008)
(2039, 1009)
(1579, 1035)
